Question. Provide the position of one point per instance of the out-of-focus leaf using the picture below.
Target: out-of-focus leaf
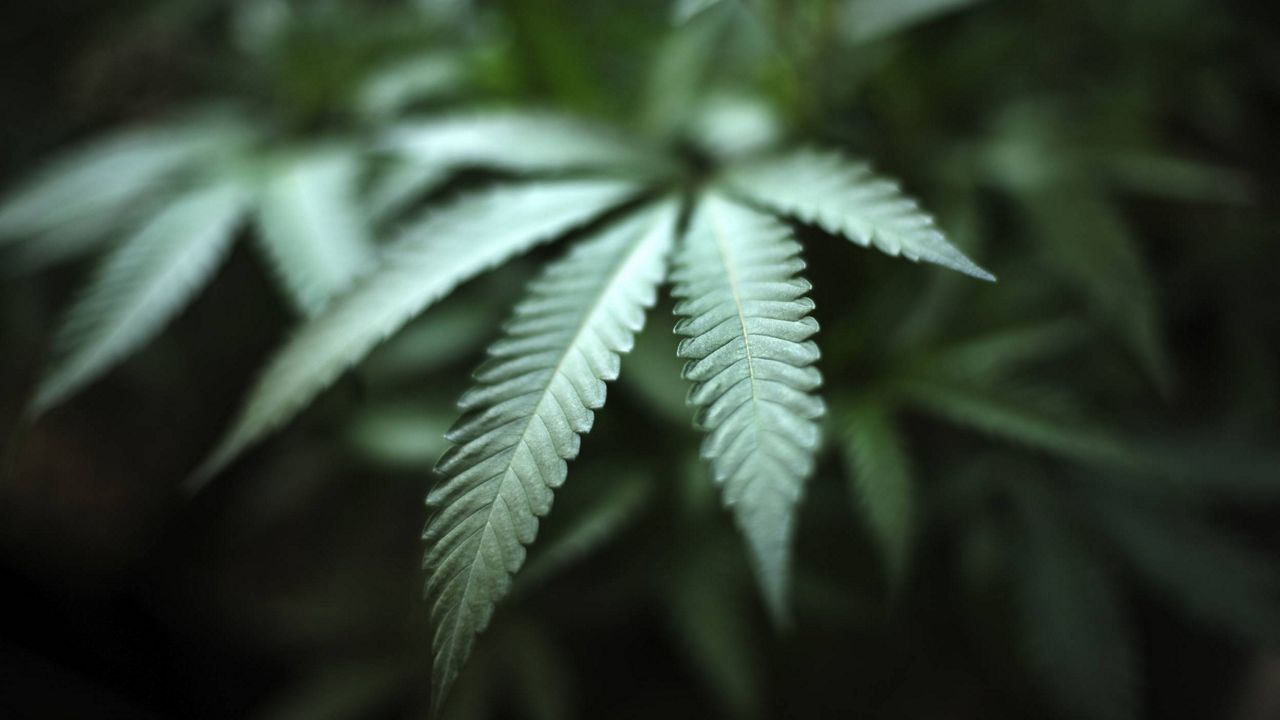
(518, 142)
(85, 195)
(448, 247)
(1036, 417)
(417, 79)
(707, 607)
(1179, 178)
(258, 24)
(1215, 579)
(312, 227)
(881, 482)
(1080, 640)
(1090, 245)
(988, 357)
(865, 20)
(141, 286)
(682, 67)
(734, 125)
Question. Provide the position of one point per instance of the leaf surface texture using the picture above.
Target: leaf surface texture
(747, 327)
(522, 421)
(846, 198)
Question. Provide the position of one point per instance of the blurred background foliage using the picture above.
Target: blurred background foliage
(1050, 497)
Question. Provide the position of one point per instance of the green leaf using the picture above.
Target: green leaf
(141, 286)
(532, 400)
(399, 86)
(707, 599)
(312, 227)
(1214, 578)
(872, 19)
(1090, 245)
(446, 248)
(1036, 417)
(1079, 634)
(707, 50)
(845, 198)
(989, 356)
(83, 195)
(731, 125)
(521, 142)
(747, 327)
(882, 481)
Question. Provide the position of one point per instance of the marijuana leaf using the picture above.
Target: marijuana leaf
(312, 228)
(1213, 577)
(80, 198)
(432, 257)
(532, 400)
(518, 142)
(747, 327)
(845, 198)
(1037, 417)
(142, 285)
(882, 481)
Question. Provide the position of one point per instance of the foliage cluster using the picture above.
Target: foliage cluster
(1005, 497)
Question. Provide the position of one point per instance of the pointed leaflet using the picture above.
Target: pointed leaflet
(448, 247)
(516, 141)
(1033, 416)
(142, 285)
(82, 195)
(522, 421)
(845, 198)
(882, 482)
(747, 327)
(1090, 245)
(312, 227)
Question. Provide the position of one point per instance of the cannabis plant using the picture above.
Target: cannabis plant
(164, 201)
(722, 238)
(679, 162)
